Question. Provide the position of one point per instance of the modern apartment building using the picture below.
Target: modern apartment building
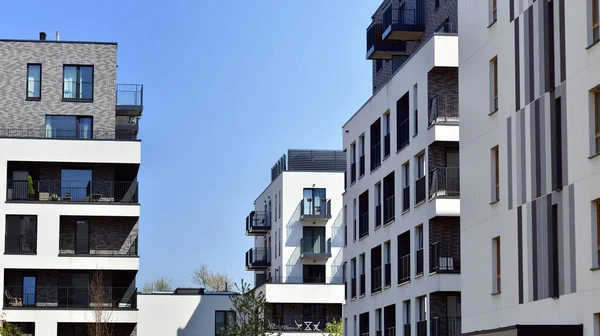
(69, 155)
(402, 203)
(529, 98)
(298, 237)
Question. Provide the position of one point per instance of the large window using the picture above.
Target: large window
(76, 184)
(69, 127)
(78, 82)
(222, 320)
(314, 201)
(34, 81)
(21, 234)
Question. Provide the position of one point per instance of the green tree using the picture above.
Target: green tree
(157, 285)
(212, 281)
(7, 329)
(335, 327)
(249, 318)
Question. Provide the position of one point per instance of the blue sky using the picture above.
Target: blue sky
(229, 86)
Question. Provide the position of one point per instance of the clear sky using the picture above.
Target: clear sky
(229, 86)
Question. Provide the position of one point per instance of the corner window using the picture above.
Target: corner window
(496, 254)
(494, 85)
(34, 81)
(78, 82)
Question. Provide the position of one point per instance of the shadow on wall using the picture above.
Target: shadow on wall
(294, 229)
(202, 320)
(337, 231)
(293, 267)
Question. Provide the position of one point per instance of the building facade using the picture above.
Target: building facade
(402, 256)
(530, 232)
(70, 157)
(184, 312)
(298, 233)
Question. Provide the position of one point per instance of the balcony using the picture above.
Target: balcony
(130, 99)
(258, 223)
(258, 258)
(444, 258)
(98, 244)
(377, 48)
(305, 280)
(315, 248)
(446, 326)
(444, 182)
(420, 190)
(315, 209)
(401, 24)
(443, 110)
(299, 323)
(67, 134)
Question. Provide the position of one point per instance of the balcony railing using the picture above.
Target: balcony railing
(387, 275)
(363, 285)
(315, 208)
(386, 145)
(130, 94)
(305, 280)
(352, 172)
(404, 19)
(73, 191)
(353, 288)
(422, 328)
(43, 133)
(377, 215)
(20, 244)
(444, 182)
(443, 110)
(361, 165)
(298, 323)
(315, 247)
(420, 261)
(63, 297)
(445, 258)
(258, 257)
(376, 279)
(420, 190)
(390, 331)
(389, 209)
(404, 269)
(407, 329)
(406, 198)
(403, 134)
(375, 156)
(363, 225)
(258, 222)
(99, 244)
(446, 326)
(377, 48)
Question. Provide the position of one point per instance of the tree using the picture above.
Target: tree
(249, 319)
(211, 281)
(335, 327)
(158, 285)
(7, 329)
(100, 302)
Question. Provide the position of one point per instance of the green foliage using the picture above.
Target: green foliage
(30, 185)
(157, 285)
(335, 327)
(249, 319)
(7, 329)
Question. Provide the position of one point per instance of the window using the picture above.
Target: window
(345, 219)
(78, 82)
(378, 324)
(354, 219)
(34, 81)
(597, 120)
(314, 202)
(378, 65)
(386, 135)
(280, 241)
(596, 235)
(276, 208)
(69, 127)
(421, 309)
(496, 254)
(375, 133)
(419, 178)
(355, 325)
(376, 269)
(406, 315)
(416, 109)
(345, 326)
(275, 251)
(405, 187)
(363, 208)
(437, 4)
(21, 235)
(353, 278)
(595, 21)
(377, 199)
(389, 203)
(402, 122)
(495, 175)
(387, 261)
(493, 11)
(361, 155)
(222, 320)
(494, 84)
(419, 248)
(280, 201)
(361, 265)
(353, 162)
(76, 184)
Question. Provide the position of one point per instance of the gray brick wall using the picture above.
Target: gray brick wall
(108, 235)
(16, 112)
(443, 83)
(446, 230)
(437, 154)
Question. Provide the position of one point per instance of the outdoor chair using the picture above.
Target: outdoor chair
(13, 301)
(298, 325)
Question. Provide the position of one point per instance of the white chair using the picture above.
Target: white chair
(316, 326)
(298, 325)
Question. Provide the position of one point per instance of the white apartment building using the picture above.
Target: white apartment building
(529, 150)
(402, 203)
(69, 159)
(298, 238)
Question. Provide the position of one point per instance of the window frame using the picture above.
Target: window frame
(494, 82)
(78, 85)
(496, 176)
(596, 93)
(595, 21)
(497, 270)
(494, 11)
(597, 205)
(27, 97)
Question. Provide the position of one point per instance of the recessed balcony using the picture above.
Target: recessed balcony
(258, 223)
(258, 258)
(98, 236)
(401, 24)
(315, 248)
(377, 48)
(444, 182)
(130, 99)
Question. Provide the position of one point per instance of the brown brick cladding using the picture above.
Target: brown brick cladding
(18, 113)
(437, 154)
(443, 82)
(445, 230)
(107, 235)
(438, 303)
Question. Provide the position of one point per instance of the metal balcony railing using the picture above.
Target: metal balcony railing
(444, 182)
(404, 269)
(305, 280)
(376, 279)
(315, 208)
(101, 244)
(446, 326)
(406, 198)
(73, 191)
(375, 156)
(403, 134)
(444, 258)
(65, 297)
(389, 209)
(258, 221)
(363, 225)
(422, 328)
(63, 134)
(404, 17)
(315, 246)
(407, 329)
(298, 323)
(258, 257)
(420, 261)
(390, 331)
(20, 243)
(443, 109)
(420, 189)
(130, 94)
